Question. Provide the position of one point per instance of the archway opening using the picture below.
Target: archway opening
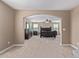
(43, 26)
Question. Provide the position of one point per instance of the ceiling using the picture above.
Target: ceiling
(42, 18)
(42, 4)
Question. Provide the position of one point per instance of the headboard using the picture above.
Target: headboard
(46, 29)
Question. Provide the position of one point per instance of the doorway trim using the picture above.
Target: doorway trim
(61, 27)
(61, 33)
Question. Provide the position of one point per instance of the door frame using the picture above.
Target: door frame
(61, 33)
(61, 27)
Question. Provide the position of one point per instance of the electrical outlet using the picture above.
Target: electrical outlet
(64, 29)
(8, 42)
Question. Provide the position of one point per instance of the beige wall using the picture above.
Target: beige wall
(46, 24)
(75, 26)
(8, 20)
(19, 31)
(6, 26)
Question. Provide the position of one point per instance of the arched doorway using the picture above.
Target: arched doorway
(31, 24)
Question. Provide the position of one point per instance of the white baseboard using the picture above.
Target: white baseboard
(6, 49)
(66, 44)
(18, 44)
(10, 47)
(73, 46)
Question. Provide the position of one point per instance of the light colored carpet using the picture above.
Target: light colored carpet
(38, 47)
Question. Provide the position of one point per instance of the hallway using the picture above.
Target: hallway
(39, 47)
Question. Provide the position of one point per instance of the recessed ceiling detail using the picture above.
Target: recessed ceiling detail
(42, 4)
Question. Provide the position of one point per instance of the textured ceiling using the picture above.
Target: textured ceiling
(42, 4)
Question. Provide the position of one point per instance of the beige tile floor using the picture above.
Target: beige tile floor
(37, 47)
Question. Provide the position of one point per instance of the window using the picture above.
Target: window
(56, 26)
(35, 25)
(27, 26)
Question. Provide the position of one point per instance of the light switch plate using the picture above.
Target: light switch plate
(64, 29)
